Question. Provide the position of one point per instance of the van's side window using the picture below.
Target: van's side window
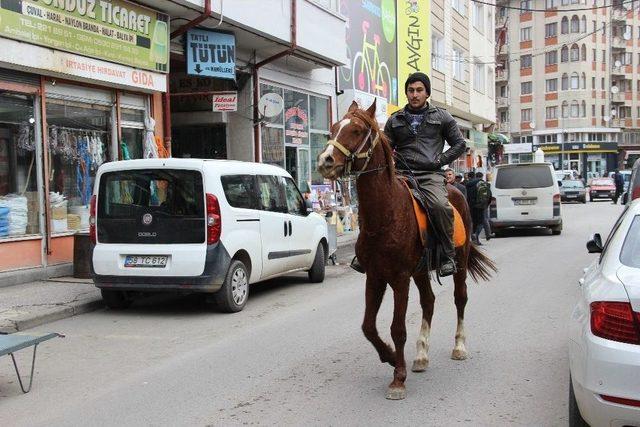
(295, 202)
(272, 193)
(240, 191)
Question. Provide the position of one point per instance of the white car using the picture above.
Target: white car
(191, 225)
(604, 346)
(525, 195)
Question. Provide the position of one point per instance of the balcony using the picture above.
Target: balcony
(502, 76)
(618, 71)
(502, 102)
(500, 22)
(617, 123)
(619, 14)
(618, 43)
(618, 98)
(503, 127)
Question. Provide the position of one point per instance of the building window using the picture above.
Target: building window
(551, 58)
(548, 139)
(525, 61)
(565, 82)
(504, 91)
(490, 22)
(593, 83)
(574, 53)
(602, 83)
(458, 65)
(492, 88)
(525, 6)
(593, 55)
(479, 77)
(552, 85)
(564, 25)
(551, 30)
(583, 53)
(575, 24)
(478, 16)
(575, 81)
(525, 34)
(583, 24)
(565, 109)
(460, 6)
(583, 109)
(575, 109)
(604, 56)
(564, 54)
(551, 113)
(525, 115)
(526, 88)
(551, 4)
(437, 52)
(593, 110)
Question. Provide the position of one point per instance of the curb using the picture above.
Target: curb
(21, 323)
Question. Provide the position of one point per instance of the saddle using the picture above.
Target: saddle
(422, 215)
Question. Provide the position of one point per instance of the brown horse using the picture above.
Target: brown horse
(389, 245)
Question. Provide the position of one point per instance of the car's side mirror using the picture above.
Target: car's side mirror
(594, 245)
(559, 183)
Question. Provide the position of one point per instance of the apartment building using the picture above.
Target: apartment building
(566, 74)
(462, 71)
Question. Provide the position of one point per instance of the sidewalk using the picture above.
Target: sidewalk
(33, 304)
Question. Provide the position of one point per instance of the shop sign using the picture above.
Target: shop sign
(297, 120)
(225, 102)
(525, 147)
(116, 31)
(69, 65)
(581, 146)
(211, 54)
(478, 140)
(414, 37)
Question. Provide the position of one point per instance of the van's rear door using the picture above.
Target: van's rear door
(150, 222)
(524, 192)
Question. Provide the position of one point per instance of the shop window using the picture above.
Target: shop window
(19, 212)
(132, 133)
(78, 143)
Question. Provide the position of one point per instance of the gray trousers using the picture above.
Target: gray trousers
(434, 189)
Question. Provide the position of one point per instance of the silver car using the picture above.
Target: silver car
(572, 190)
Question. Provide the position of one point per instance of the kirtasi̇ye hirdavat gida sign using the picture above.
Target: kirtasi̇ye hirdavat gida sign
(115, 31)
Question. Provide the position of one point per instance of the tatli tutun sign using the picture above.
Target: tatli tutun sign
(115, 31)
(211, 54)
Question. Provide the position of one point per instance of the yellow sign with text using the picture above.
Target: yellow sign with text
(414, 39)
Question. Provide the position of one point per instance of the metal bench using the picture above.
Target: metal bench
(9, 344)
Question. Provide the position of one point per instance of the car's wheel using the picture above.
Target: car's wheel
(584, 200)
(116, 300)
(316, 273)
(556, 230)
(575, 419)
(233, 295)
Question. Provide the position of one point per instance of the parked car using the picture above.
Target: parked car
(604, 330)
(633, 190)
(525, 195)
(602, 188)
(573, 190)
(566, 174)
(208, 226)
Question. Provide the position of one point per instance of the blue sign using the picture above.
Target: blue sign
(211, 54)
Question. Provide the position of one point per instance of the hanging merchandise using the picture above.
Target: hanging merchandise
(25, 140)
(4, 221)
(125, 151)
(96, 151)
(17, 214)
(83, 170)
(162, 151)
(150, 150)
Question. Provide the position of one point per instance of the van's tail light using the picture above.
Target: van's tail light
(214, 219)
(556, 205)
(635, 193)
(493, 208)
(615, 321)
(92, 220)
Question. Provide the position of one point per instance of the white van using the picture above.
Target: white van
(191, 225)
(525, 195)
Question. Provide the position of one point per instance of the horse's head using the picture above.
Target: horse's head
(351, 144)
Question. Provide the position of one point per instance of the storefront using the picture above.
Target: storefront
(65, 112)
(589, 159)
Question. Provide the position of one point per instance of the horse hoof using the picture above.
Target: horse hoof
(458, 354)
(396, 393)
(420, 365)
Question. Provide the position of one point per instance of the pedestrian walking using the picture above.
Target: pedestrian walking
(450, 176)
(479, 198)
(618, 180)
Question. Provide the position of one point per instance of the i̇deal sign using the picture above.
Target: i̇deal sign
(225, 101)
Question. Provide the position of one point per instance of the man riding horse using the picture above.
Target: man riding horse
(417, 134)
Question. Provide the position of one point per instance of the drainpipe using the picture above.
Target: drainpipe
(256, 86)
(166, 98)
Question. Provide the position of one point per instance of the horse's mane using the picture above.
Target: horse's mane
(384, 141)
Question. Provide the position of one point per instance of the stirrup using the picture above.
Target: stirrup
(355, 264)
(447, 268)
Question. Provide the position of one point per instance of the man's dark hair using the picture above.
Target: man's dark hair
(419, 77)
(479, 175)
(471, 175)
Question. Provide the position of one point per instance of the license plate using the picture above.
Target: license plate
(522, 202)
(571, 196)
(150, 261)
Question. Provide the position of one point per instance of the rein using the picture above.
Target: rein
(352, 157)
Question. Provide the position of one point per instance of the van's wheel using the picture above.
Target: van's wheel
(575, 418)
(556, 230)
(116, 300)
(316, 273)
(233, 295)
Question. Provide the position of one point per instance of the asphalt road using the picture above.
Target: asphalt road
(296, 355)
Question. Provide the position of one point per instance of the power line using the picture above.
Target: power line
(582, 9)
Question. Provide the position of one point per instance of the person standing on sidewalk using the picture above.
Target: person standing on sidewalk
(618, 180)
(478, 197)
(483, 198)
(450, 176)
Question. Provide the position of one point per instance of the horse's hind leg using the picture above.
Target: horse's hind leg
(373, 298)
(427, 299)
(396, 389)
(460, 294)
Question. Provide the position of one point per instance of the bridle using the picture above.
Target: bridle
(352, 157)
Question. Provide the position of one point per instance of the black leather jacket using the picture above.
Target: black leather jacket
(422, 151)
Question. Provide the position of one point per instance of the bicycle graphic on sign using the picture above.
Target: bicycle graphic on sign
(368, 73)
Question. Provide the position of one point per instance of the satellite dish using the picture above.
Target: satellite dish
(627, 35)
(532, 125)
(606, 118)
(614, 89)
(613, 113)
(270, 104)
(618, 64)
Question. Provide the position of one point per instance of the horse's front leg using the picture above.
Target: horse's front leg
(427, 299)
(373, 298)
(396, 389)
(460, 294)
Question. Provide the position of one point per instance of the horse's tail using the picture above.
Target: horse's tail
(479, 265)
